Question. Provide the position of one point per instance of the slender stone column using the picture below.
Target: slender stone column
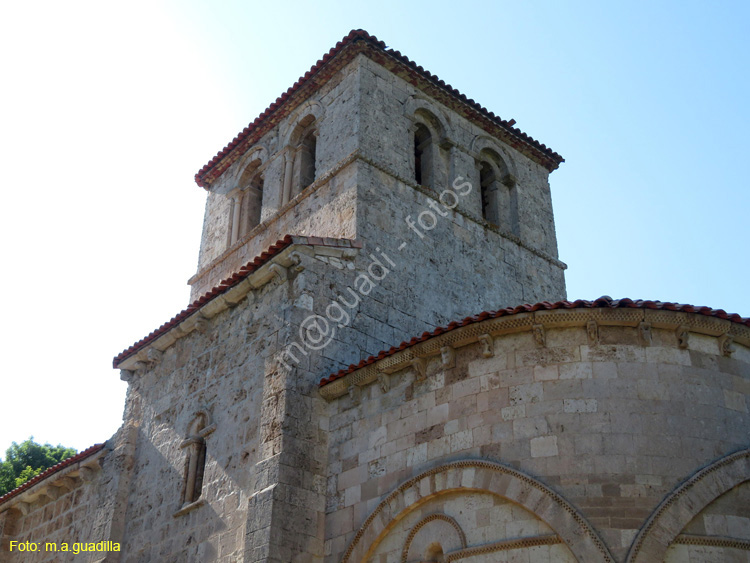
(288, 172)
(236, 196)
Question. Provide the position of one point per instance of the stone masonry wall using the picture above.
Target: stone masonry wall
(336, 107)
(612, 425)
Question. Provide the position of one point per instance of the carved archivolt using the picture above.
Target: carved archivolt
(422, 523)
(417, 106)
(684, 503)
(310, 107)
(485, 476)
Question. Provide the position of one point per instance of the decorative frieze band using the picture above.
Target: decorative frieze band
(539, 323)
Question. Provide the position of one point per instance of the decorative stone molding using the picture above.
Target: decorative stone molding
(488, 345)
(420, 368)
(509, 180)
(153, 356)
(472, 476)
(485, 332)
(385, 382)
(57, 484)
(422, 523)
(448, 356)
(726, 344)
(713, 541)
(539, 336)
(355, 394)
(505, 545)
(592, 331)
(200, 320)
(644, 333)
(683, 337)
(684, 503)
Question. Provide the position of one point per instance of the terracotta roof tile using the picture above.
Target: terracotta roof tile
(227, 284)
(216, 165)
(54, 469)
(544, 306)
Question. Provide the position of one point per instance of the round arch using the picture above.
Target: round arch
(416, 107)
(483, 143)
(485, 476)
(684, 503)
(258, 152)
(309, 108)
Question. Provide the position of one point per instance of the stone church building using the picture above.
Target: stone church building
(277, 419)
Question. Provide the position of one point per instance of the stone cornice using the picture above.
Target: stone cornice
(537, 322)
(149, 353)
(55, 484)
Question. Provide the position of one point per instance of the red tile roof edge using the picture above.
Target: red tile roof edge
(362, 35)
(229, 283)
(88, 452)
(543, 306)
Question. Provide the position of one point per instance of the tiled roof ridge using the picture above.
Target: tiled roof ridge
(362, 35)
(226, 285)
(604, 301)
(54, 469)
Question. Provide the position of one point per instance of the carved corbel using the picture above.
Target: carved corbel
(127, 375)
(280, 271)
(644, 333)
(201, 324)
(539, 335)
(296, 259)
(23, 507)
(153, 356)
(86, 473)
(385, 381)
(488, 345)
(355, 394)
(52, 492)
(448, 356)
(592, 329)
(683, 334)
(420, 368)
(66, 483)
(726, 344)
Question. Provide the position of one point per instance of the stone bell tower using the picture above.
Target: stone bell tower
(360, 376)
(369, 203)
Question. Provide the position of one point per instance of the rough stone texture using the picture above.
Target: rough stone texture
(612, 427)
(534, 437)
(366, 190)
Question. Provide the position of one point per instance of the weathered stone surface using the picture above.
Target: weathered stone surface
(558, 436)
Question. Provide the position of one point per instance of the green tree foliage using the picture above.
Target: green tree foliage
(28, 459)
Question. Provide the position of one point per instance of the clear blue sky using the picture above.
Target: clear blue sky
(110, 109)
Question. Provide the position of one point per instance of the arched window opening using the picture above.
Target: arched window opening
(195, 465)
(195, 459)
(300, 168)
(423, 156)
(499, 192)
(247, 203)
(307, 160)
(489, 188)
